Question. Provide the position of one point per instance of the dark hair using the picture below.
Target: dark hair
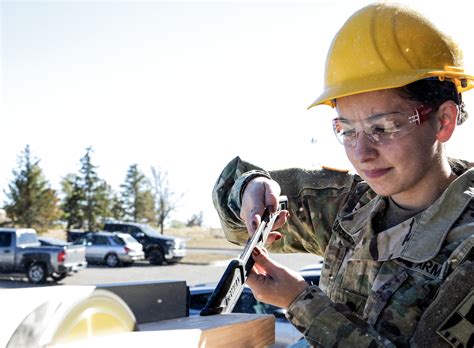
(434, 92)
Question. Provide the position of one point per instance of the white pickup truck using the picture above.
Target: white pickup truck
(21, 252)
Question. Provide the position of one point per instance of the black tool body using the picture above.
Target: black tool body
(232, 282)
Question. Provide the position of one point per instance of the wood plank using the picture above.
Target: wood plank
(229, 330)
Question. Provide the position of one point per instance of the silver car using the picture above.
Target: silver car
(112, 248)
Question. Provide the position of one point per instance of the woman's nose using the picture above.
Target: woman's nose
(364, 149)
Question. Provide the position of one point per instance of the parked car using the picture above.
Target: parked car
(113, 249)
(285, 333)
(75, 252)
(311, 273)
(21, 252)
(158, 248)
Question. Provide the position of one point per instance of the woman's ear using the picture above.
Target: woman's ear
(447, 117)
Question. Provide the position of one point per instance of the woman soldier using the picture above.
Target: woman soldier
(397, 237)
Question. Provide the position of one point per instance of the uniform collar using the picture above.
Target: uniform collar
(409, 239)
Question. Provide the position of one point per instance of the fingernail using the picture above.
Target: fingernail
(255, 252)
(254, 225)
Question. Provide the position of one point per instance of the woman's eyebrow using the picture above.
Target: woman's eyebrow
(382, 114)
(342, 118)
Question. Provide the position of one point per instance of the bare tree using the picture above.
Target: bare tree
(166, 200)
(196, 220)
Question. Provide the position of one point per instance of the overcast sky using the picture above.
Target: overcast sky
(184, 86)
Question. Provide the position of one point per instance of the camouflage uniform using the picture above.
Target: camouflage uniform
(374, 287)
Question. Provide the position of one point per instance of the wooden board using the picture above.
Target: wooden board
(82, 316)
(229, 330)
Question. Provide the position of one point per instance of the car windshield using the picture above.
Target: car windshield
(246, 303)
(27, 238)
(150, 231)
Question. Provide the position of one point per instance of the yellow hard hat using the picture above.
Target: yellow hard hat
(387, 46)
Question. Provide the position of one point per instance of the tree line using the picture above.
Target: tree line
(87, 200)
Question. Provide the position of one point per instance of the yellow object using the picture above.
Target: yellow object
(61, 315)
(102, 313)
(387, 46)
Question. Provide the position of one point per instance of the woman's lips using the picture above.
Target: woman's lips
(376, 173)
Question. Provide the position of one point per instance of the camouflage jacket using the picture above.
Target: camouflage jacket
(374, 287)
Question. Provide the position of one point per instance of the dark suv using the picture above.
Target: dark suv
(157, 247)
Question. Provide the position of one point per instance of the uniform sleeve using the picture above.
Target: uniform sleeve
(328, 324)
(314, 200)
(224, 191)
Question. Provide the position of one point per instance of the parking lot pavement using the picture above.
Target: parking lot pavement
(143, 271)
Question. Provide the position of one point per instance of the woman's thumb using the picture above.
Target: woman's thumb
(262, 259)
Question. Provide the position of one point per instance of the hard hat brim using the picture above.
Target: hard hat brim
(375, 83)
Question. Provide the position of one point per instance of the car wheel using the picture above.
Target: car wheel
(58, 276)
(156, 257)
(36, 273)
(111, 260)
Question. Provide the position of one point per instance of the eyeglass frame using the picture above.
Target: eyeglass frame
(418, 116)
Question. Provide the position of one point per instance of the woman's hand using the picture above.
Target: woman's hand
(259, 194)
(273, 283)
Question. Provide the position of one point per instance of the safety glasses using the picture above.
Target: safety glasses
(380, 129)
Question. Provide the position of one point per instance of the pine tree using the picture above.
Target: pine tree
(96, 193)
(72, 202)
(137, 197)
(30, 201)
(87, 197)
(117, 210)
(148, 204)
